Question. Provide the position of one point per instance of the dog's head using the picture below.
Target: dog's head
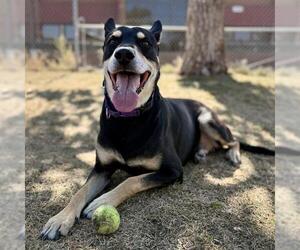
(131, 64)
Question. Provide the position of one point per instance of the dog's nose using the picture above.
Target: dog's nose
(124, 56)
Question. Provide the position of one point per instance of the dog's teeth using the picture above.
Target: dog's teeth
(139, 90)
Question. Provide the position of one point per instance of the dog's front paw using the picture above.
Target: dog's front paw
(90, 209)
(58, 225)
(107, 198)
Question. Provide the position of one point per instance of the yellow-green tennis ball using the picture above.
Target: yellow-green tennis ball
(106, 219)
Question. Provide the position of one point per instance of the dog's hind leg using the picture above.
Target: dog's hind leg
(217, 135)
(206, 145)
(61, 223)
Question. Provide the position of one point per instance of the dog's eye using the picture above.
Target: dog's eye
(145, 44)
(113, 42)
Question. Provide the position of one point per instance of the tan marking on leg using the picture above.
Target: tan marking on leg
(207, 143)
(122, 192)
(215, 135)
(64, 220)
(126, 189)
(152, 163)
(233, 153)
(204, 118)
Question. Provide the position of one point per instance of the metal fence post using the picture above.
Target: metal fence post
(83, 42)
(75, 11)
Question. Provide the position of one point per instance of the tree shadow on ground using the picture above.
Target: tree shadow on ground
(287, 167)
(195, 213)
(252, 103)
(12, 176)
(249, 101)
(287, 113)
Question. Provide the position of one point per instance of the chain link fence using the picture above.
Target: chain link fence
(249, 26)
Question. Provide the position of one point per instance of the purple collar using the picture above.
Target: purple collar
(110, 110)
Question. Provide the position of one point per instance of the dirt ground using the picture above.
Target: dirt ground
(287, 166)
(12, 171)
(217, 206)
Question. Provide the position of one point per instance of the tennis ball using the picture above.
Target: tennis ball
(106, 219)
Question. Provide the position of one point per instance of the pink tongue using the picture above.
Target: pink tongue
(125, 98)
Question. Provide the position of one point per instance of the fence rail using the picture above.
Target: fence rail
(181, 28)
(253, 41)
(256, 52)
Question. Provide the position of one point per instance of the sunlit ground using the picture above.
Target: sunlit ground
(218, 206)
(287, 167)
(12, 153)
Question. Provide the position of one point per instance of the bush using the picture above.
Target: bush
(35, 60)
(65, 58)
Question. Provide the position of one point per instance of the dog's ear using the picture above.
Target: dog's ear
(109, 26)
(156, 30)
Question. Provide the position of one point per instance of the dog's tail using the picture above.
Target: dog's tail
(256, 149)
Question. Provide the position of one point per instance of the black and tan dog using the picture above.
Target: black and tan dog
(141, 132)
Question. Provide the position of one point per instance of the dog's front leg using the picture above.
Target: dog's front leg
(61, 223)
(132, 186)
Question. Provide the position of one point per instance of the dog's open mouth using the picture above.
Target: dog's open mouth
(129, 78)
(127, 87)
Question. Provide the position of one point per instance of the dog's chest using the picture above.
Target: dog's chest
(107, 156)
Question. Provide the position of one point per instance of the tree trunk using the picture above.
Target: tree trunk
(204, 49)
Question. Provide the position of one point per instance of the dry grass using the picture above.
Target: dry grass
(12, 153)
(287, 167)
(61, 58)
(217, 206)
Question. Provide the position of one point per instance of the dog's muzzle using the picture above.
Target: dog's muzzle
(128, 71)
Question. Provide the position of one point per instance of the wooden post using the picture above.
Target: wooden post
(76, 31)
